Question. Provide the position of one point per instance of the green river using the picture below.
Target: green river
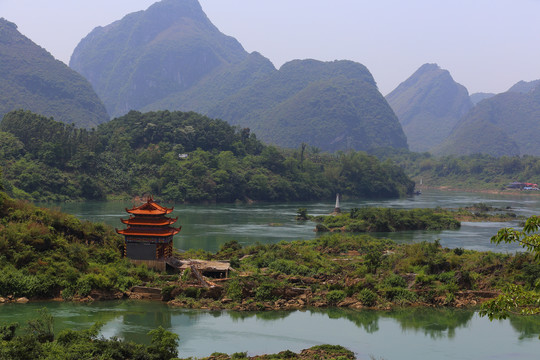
(401, 334)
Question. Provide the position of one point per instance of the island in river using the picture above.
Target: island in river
(377, 219)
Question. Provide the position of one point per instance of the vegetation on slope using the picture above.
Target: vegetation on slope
(172, 57)
(331, 105)
(150, 54)
(46, 254)
(184, 157)
(478, 171)
(31, 79)
(505, 124)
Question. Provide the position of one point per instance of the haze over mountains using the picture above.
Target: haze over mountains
(438, 116)
(171, 56)
(429, 104)
(505, 124)
(32, 79)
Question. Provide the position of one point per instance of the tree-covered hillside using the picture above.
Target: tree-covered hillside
(184, 157)
(31, 79)
(330, 105)
(172, 57)
(505, 124)
(428, 104)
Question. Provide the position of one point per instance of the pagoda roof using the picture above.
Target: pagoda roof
(159, 221)
(168, 231)
(150, 207)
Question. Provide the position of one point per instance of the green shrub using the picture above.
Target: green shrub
(234, 290)
(400, 295)
(367, 297)
(335, 296)
(192, 292)
(289, 267)
(395, 281)
(239, 355)
(265, 292)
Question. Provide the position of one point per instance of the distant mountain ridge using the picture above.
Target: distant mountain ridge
(524, 86)
(429, 104)
(477, 97)
(505, 124)
(172, 57)
(31, 79)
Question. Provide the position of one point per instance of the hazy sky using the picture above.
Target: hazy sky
(487, 45)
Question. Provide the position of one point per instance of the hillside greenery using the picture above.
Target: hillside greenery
(476, 172)
(147, 55)
(331, 105)
(31, 79)
(47, 254)
(183, 157)
(172, 57)
(505, 124)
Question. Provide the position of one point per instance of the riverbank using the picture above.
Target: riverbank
(356, 272)
(504, 191)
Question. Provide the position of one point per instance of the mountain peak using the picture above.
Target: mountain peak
(428, 104)
(149, 54)
(4, 22)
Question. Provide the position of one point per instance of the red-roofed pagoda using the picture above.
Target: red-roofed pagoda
(149, 234)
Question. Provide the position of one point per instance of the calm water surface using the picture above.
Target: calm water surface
(401, 334)
(209, 226)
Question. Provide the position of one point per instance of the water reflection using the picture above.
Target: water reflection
(525, 326)
(414, 333)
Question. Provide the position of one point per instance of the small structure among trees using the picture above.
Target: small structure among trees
(149, 234)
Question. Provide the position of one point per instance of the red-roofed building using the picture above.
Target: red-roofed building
(149, 234)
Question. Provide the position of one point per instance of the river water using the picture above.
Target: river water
(209, 226)
(401, 334)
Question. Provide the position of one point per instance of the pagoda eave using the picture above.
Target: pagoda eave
(138, 232)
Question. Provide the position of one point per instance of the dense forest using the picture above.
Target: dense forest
(178, 156)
